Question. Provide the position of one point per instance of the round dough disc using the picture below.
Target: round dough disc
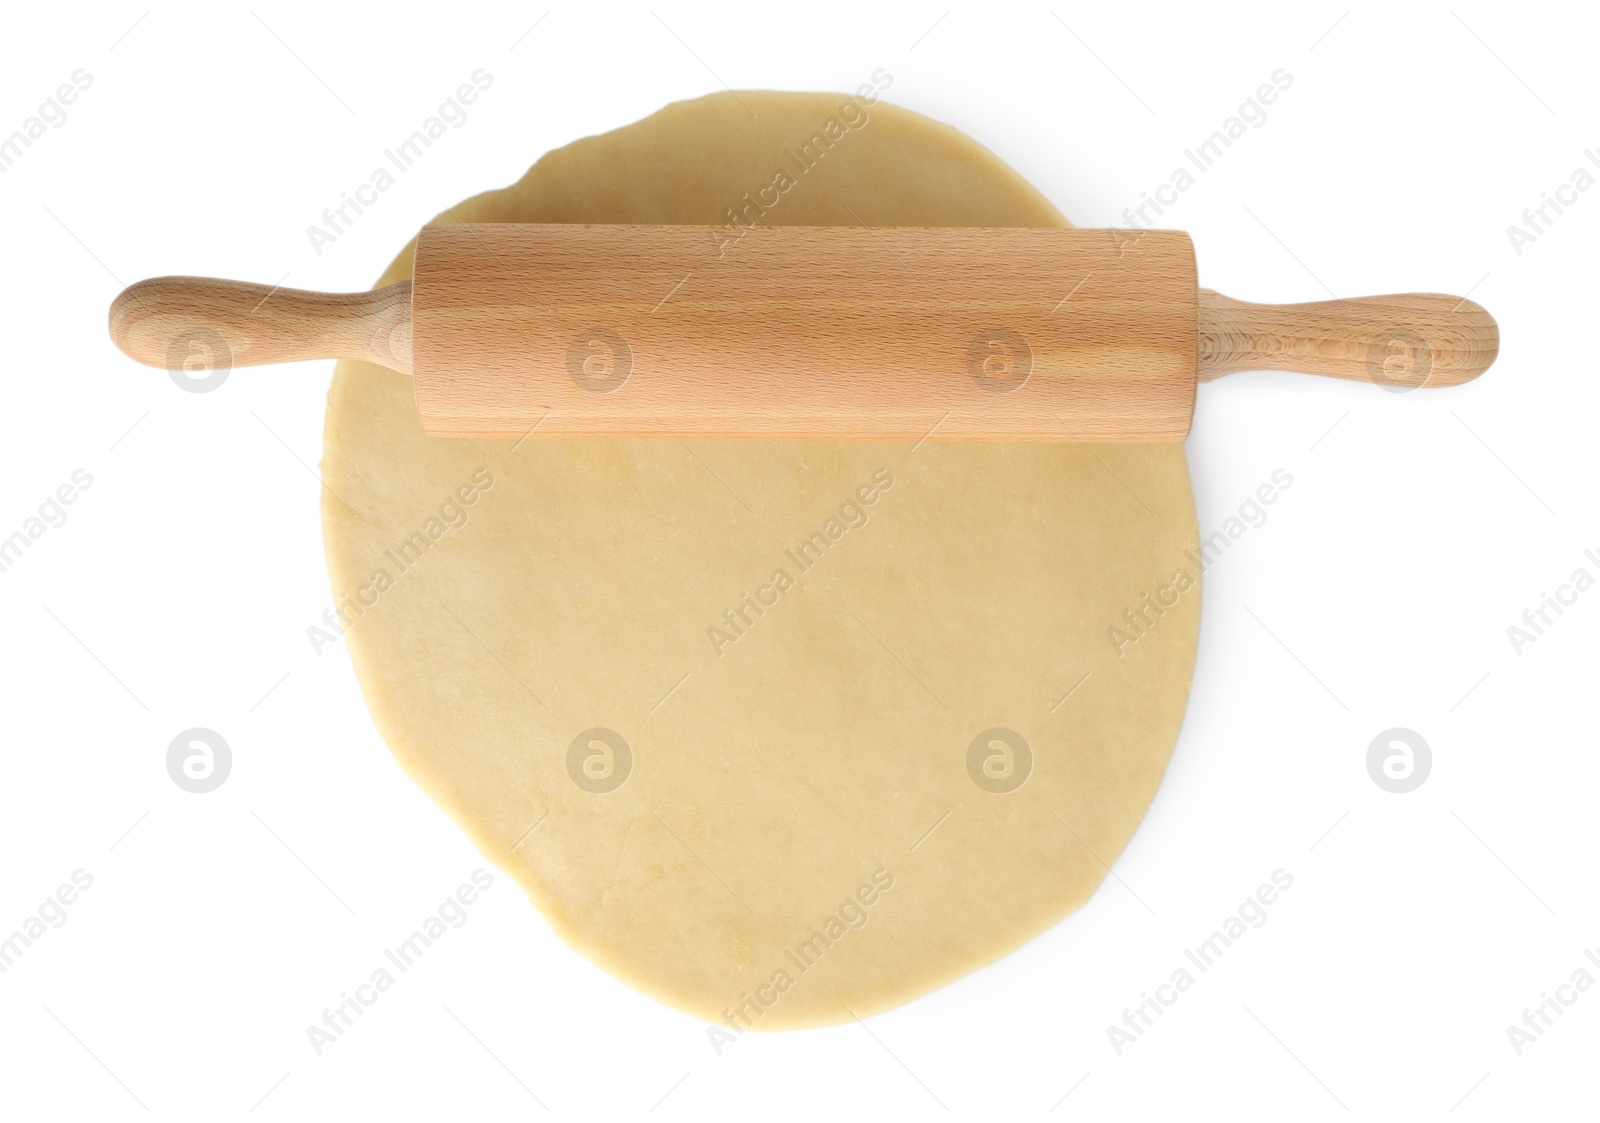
(765, 707)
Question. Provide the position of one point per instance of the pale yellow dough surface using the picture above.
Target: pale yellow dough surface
(772, 776)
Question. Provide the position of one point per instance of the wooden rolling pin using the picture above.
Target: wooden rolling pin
(889, 333)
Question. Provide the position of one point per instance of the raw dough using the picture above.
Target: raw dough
(767, 860)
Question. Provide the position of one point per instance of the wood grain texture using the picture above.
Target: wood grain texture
(1403, 342)
(885, 333)
(201, 323)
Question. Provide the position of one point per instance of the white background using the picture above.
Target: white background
(1419, 526)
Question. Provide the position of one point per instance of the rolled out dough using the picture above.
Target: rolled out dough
(764, 706)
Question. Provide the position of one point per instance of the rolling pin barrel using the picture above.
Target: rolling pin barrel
(988, 334)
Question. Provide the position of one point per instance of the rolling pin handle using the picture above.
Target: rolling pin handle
(1398, 342)
(200, 324)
